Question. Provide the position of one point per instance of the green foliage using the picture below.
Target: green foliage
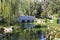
(28, 7)
(38, 26)
(52, 8)
(55, 20)
(10, 10)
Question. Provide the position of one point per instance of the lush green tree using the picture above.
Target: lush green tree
(8, 8)
(52, 8)
(12, 9)
(30, 7)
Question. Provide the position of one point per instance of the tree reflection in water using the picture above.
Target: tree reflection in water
(23, 35)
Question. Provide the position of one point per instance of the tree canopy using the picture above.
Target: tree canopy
(53, 8)
(11, 9)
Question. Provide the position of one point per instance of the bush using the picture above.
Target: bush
(38, 26)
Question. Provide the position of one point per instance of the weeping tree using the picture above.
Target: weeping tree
(5, 11)
(52, 8)
(8, 10)
(14, 11)
(30, 7)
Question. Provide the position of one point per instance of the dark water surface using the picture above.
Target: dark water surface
(29, 35)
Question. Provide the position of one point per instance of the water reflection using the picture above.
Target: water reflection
(43, 37)
(21, 36)
(30, 25)
(28, 35)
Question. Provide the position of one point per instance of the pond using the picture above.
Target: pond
(24, 35)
